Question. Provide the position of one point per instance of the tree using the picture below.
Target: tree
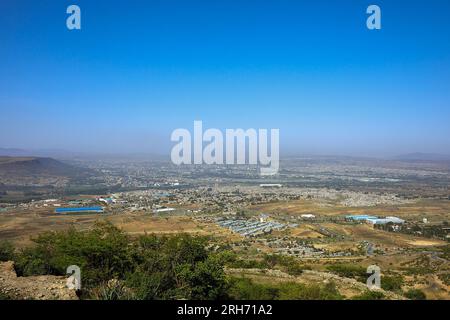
(6, 251)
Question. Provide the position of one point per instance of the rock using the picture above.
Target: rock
(33, 288)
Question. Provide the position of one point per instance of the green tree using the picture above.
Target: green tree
(6, 251)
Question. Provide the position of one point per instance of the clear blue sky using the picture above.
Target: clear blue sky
(139, 69)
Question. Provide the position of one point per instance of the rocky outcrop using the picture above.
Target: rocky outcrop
(32, 288)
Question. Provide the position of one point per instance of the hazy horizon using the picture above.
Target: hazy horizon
(67, 154)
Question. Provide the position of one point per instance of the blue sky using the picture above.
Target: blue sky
(139, 69)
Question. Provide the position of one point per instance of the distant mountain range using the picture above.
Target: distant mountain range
(68, 155)
(433, 157)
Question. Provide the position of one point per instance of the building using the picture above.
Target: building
(108, 200)
(386, 220)
(79, 210)
(163, 210)
(270, 185)
(360, 218)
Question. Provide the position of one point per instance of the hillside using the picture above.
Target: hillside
(20, 167)
(26, 178)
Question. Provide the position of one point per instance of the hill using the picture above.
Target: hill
(19, 167)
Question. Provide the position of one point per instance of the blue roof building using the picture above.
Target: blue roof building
(79, 210)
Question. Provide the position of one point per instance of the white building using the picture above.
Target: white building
(163, 210)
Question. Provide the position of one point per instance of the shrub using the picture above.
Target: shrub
(177, 267)
(294, 291)
(415, 294)
(370, 295)
(246, 289)
(6, 251)
(112, 290)
(392, 283)
(287, 264)
(349, 271)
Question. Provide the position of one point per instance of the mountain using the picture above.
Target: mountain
(419, 157)
(16, 167)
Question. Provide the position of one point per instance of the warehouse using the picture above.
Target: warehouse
(386, 220)
(79, 210)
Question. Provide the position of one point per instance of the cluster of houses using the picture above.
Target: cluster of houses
(248, 228)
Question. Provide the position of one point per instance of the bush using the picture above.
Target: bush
(178, 267)
(370, 295)
(415, 294)
(4, 296)
(287, 264)
(349, 271)
(6, 251)
(392, 283)
(294, 291)
(112, 290)
(246, 289)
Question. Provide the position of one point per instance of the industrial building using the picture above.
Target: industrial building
(163, 210)
(360, 217)
(79, 210)
(386, 220)
(375, 220)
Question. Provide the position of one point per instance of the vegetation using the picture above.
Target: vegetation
(4, 296)
(446, 252)
(392, 283)
(269, 261)
(177, 267)
(286, 263)
(6, 251)
(445, 278)
(349, 271)
(370, 295)
(246, 289)
(415, 294)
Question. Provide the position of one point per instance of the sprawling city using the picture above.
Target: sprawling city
(225, 159)
(322, 220)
